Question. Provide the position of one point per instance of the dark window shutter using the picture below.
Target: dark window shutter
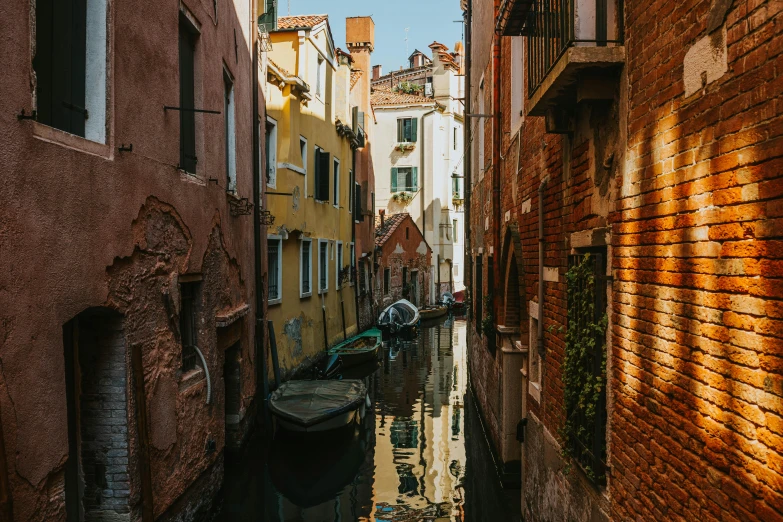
(414, 130)
(322, 176)
(359, 216)
(394, 179)
(60, 63)
(187, 99)
(414, 178)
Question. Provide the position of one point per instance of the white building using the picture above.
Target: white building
(417, 157)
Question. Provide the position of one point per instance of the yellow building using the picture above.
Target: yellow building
(310, 189)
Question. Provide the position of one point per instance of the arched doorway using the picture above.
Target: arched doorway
(97, 485)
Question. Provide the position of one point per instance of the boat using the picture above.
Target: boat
(455, 303)
(433, 312)
(399, 316)
(318, 406)
(360, 349)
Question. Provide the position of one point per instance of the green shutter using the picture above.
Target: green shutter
(400, 132)
(394, 179)
(414, 130)
(415, 178)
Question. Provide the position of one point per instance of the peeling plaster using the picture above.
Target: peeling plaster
(293, 330)
(705, 62)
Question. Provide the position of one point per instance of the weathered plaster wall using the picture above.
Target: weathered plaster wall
(83, 225)
(397, 253)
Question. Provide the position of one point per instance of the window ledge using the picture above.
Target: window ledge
(191, 378)
(71, 141)
(305, 295)
(273, 302)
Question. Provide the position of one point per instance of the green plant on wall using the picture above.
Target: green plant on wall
(408, 88)
(488, 321)
(584, 368)
(402, 197)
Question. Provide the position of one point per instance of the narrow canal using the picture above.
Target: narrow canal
(420, 455)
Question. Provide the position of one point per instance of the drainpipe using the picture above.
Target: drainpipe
(355, 261)
(468, 156)
(262, 384)
(421, 180)
(541, 246)
(497, 136)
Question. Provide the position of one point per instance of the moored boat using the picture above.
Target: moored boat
(433, 312)
(317, 406)
(360, 349)
(399, 316)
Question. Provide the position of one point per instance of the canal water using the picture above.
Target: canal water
(419, 454)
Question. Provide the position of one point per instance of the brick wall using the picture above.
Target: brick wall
(104, 420)
(698, 372)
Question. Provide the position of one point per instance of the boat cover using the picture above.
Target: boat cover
(308, 403)
(402, 313)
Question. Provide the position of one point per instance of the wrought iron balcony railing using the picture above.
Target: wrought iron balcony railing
(554, 26)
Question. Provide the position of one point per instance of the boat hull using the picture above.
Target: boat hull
(340, 421)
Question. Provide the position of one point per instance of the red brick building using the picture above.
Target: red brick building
(403, 258)
(651, 139)
(131, 152)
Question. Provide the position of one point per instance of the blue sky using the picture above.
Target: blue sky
(428, 20)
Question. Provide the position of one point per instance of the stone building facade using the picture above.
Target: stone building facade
(657, 153)
(403, 259)
(127, 292)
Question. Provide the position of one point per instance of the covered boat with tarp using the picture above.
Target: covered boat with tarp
(360, 349)
(399, 316)
(313, 406)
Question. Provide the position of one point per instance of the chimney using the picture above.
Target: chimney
(360, 33)
(383, 216)
(377, 71)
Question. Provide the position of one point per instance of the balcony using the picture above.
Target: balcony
(574, 53)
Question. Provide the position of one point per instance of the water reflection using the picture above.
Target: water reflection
(405, 462)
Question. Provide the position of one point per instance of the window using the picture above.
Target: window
(456, 187)
(231, 138)
(404, 276)
(188, 330)
(303, 152)
(323, 266)
(480, 131)
(70, 89)
(404, 179)
(336, 184)
(352, 253)
(350, 192)
(454, 229)
(321, 175)
(407, 130)
(517, 82)
(386, 280)
(271, 153)
(478, 303)
(320, 77)
(187, 96)
(306, 268)
(275, 269)
(407, 233)
(456, 134)
(455, 270)
(357, 198)
(338, 265)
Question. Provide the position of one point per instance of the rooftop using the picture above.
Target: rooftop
(390, 224)
(385, 97)
(300, 21)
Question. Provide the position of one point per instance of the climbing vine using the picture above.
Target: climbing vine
(584, 372)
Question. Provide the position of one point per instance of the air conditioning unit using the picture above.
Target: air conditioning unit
(428, 89)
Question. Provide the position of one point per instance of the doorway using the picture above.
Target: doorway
(97, 486)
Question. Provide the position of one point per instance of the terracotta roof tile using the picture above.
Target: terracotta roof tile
(355, 75)
(300, 21)
(382, 97)
(390, 224)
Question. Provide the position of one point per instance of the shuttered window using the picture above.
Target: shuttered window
(358, 202)
(407, 130)
(404, 179)
(187, 96)
(321, 175)
(60, 63)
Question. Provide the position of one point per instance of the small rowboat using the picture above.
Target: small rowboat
(360, 349)
(316, 406)
(433, 312)
(399, 316)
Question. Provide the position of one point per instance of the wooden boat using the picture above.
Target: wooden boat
(317, 406)
(433, 312)
(399, 316)
(360, 349)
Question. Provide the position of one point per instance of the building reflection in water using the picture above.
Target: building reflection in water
(406, 462)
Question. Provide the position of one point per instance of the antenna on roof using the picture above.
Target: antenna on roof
(289, 7)
(406, 40)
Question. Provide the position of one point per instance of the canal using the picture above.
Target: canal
(419, 455)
